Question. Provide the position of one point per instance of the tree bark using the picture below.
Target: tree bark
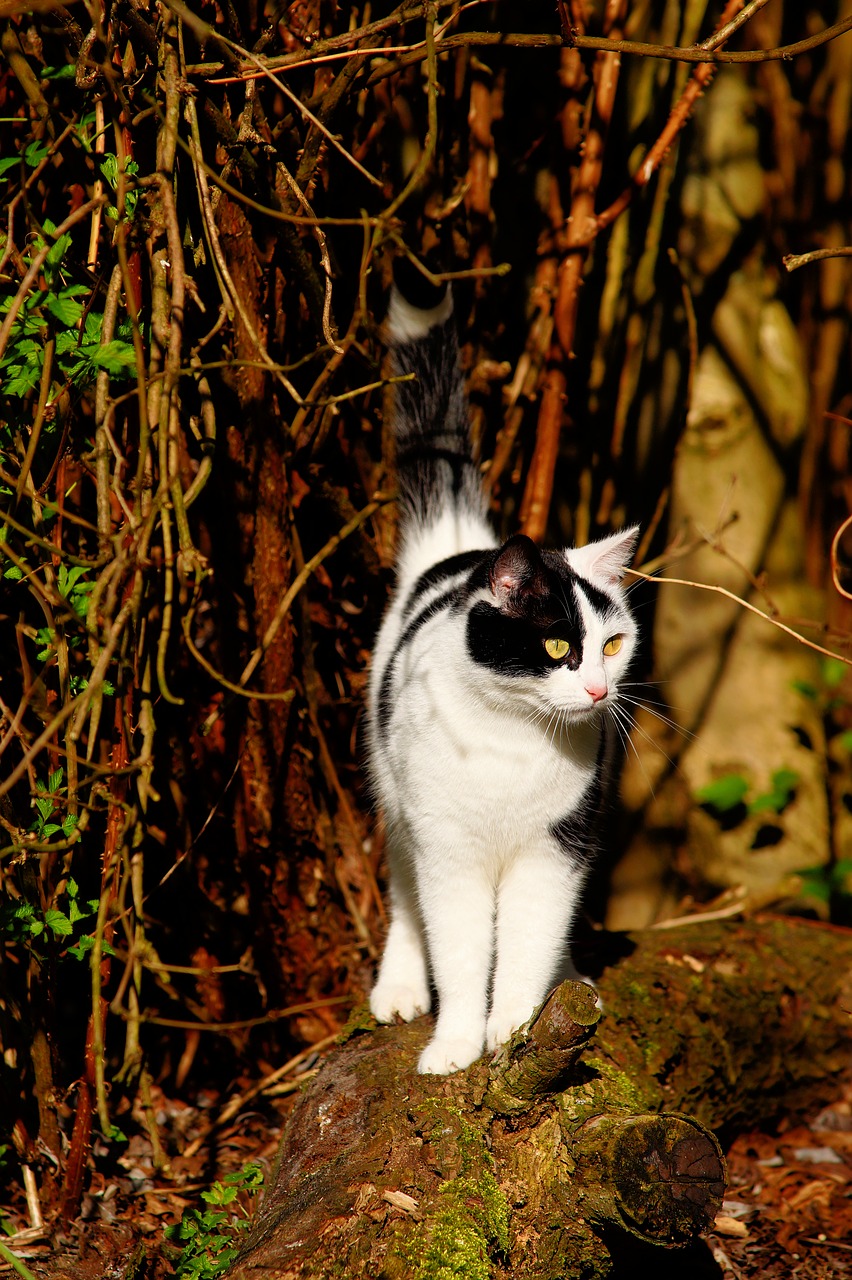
(586, 1130)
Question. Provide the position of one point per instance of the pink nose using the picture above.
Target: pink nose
(596, 691)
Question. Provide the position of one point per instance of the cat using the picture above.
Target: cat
(493, 672)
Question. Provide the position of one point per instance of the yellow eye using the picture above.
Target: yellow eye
(557, 649)
(612, 646)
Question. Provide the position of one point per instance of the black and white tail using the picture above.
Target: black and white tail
(439, 481)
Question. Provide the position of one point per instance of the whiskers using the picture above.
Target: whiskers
(552, 720)
(635, 701)
(626, 724)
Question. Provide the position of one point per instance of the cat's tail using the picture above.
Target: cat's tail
(439, 481)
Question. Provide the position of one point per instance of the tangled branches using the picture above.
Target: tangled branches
(199, 218)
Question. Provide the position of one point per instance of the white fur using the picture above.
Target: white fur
(472, 771)
(408, 323)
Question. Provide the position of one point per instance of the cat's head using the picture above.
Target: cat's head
(557, 624)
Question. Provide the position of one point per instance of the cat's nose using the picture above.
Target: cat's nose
(596, 691)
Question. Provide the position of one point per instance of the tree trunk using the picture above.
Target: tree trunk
(575, 1137)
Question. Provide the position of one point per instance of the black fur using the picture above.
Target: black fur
(434, 455)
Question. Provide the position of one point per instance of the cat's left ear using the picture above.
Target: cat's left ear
(606, 559)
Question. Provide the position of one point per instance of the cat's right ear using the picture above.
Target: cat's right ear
(517, 571)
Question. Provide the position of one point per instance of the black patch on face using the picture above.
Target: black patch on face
(443, 569)
(599, 600)
(536, 600)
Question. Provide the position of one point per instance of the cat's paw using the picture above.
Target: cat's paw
(501, 1026)
(442, 1057)
(389, 1000)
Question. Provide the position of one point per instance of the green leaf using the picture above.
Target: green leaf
(54, 782)
(834, 672)
(84, 945)
(57, 251)
(806, 689)
(815, 884)
(785, 779)
(724, 793)
(69, 824)
(33, 155)
(58, 922)
(115, 357)
(784, 782)
(845, 740)
(22, 381)
(66, 342)
(50, 830)
(11, 162)
(64, 309)
(93, 327)
(13, 573)
(66, 72)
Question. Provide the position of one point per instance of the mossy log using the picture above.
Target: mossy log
(585, 1130)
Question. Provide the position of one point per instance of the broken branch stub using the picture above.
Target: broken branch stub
(540, 1056)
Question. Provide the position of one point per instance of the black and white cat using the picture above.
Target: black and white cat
(492, 675)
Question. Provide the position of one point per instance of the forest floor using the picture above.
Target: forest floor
(787, 1213)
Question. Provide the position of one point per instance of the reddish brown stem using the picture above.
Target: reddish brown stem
(580, 231)
(698, 82)
(81, 1135)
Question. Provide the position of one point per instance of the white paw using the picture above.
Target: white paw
(441, 1057)
(389, 999)
(501, 1026)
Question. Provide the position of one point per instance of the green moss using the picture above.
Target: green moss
(456, 1248)
(360, 1019)
(471, 1219)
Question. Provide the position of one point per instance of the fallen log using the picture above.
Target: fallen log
(585, 1128)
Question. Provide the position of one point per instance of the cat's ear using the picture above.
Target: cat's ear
(517, 570)
(606, 559)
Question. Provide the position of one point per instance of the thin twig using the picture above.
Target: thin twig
(835, 568)
(236, 1104)
(731, 595)
(792, 261)
(327, 327)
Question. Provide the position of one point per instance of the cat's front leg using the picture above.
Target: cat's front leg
(536, 903)
(458, 909)
(402, 983)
